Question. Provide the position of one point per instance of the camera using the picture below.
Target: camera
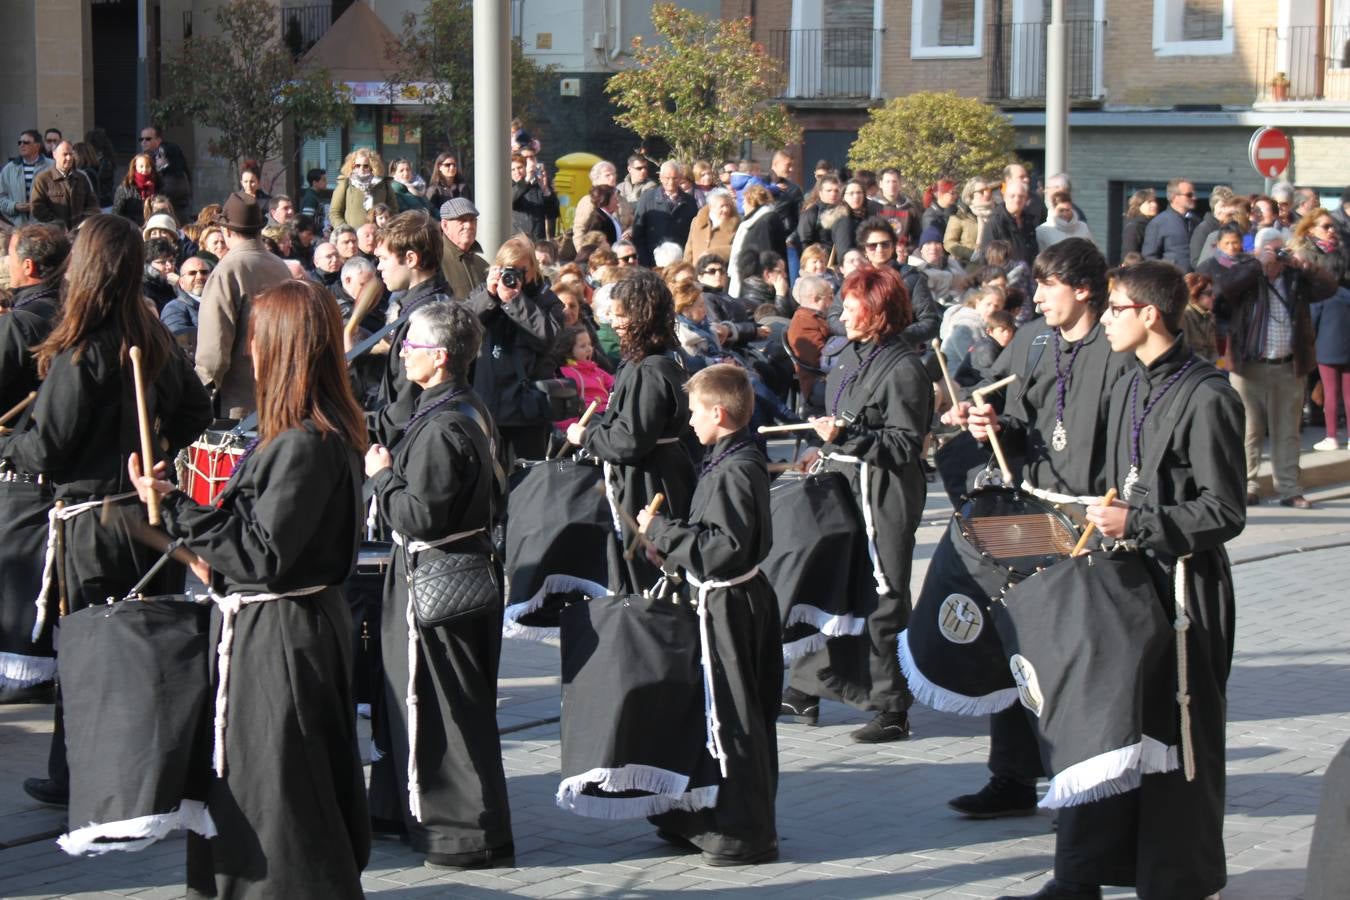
(1283, 255)
(512, 277)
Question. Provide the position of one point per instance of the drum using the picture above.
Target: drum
(25, 659)
(818, 565)
(208, 463)
(135, 678)
(950, 653)
(365, 599)
(558, 533)
(633, 728)
(1089, 645)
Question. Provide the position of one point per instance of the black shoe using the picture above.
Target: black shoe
(44, 790)
(884, 728)
(1060, 890)
(999, 798)
(503, 857)
(769, 854)
(799, 708)
(678, 841)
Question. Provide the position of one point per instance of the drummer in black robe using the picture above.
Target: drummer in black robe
(37, 256)
(727, 535)
(83, 424)
(288, 799)
(1173, 425)
(879, 402)
(437, 484)
(639, 435)
(1054, 420)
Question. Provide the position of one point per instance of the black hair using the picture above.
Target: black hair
(708, 259)
(870, 224)
(313, 176)
(650, 310)
(1000, 319)
(1078, 263)
(158, 248)
(46, 245)
(768, 261)
(1231, 228)
(1158, 284)
(747, 261)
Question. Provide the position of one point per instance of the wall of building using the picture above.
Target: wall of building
(18, 73)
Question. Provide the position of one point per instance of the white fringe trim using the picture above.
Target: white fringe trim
(19, 671)
(1109, 774)
(138, 833)
(802, 646)
(943, 700)
(553, 584)
(668, 792)
(828, 624)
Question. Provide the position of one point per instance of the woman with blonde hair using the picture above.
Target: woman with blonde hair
(965, 226)
(360, 187)
(759, 230)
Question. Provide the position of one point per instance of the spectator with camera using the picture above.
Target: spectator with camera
(534, 205)
(521, 317)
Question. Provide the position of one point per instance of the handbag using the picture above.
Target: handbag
(452, 587)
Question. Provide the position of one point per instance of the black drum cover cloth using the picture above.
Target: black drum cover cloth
(558, 534)
(818, 566)
(135, 680)
(1092, 647)
(26, 659)
(633, 726)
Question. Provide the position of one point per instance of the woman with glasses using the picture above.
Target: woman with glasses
(360, 188)
(965, 228)
(1318, 241)
(447, 183)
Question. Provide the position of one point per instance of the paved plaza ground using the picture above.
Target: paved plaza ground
(855, 821)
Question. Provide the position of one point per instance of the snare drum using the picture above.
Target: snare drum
(209, 461)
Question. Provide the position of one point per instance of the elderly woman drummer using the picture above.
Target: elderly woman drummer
(436, 489)
(879, 401)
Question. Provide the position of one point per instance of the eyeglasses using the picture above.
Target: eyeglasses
(714, 270)
(409, 345)
(1185, 193)
(361, 166)
(190, 273)
(146, 140)
(879, 245)
(627, 260)
(23, 141)
(1117, 308)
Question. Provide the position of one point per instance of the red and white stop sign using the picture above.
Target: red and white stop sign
(1270, 152)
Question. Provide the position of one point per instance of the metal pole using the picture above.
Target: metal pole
(142, 69)
(1056, 92)
(491, 121)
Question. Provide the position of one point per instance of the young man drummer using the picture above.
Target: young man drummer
(1054, 419)
(719, 548)
(1172, 425)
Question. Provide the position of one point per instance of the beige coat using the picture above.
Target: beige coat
(222, 326)
(703, 238)
(348, 206)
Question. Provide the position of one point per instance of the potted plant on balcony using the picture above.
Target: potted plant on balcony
(1279, 87)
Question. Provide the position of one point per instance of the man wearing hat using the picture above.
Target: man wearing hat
(223, 361)
(462, 264)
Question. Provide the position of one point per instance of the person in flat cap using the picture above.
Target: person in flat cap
(223, 362)
(462, 262)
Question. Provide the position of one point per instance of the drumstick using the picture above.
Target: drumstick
(585, 417)
(365, 302)
(652, 509)
(946, 374)
(63, 603)
(147, 444)
(978, 397)
(158, 541)
(18, 408)
(1081, 547)
(800, 426)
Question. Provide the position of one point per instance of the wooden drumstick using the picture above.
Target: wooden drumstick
(652, 509)
(1081, 547)
(978, 396)
(585, 417)
(946, 375)
(365, 302)
(18, 408)
(147, 443)
(800, 426)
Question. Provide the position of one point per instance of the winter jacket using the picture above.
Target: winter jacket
(351, 205)
(659, 219)
(1132, 236)
(64, 199)
(1331, 321)
(594, 383)
(703, 238)
(1168, 236)
(517, 340)
(13, 190)
(1243, 294)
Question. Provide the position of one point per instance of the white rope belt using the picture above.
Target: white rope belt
(865, 490)
(1182, 626)
(230, 604)
(710, 719)
(55, 515)
(410, 697)
(1052, 497)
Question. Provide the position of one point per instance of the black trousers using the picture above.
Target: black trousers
(1014, 752)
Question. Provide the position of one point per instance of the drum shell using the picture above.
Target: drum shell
(209, 462)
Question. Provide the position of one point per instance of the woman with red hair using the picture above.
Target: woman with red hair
(878, 404)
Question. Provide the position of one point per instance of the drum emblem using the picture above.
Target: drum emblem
(960, 619)
(1028, 685)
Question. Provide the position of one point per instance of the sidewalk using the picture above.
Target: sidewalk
(855, 821)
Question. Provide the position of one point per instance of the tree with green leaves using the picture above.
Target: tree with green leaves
(929, 136)
(433, 62)
(244, 82)
(705, 87)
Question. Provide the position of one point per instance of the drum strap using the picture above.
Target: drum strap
(54, 516)
(865, 501)
(230, 604)
(713, 724)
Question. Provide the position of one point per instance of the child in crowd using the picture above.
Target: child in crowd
(965, 323)
(999, 328)
(577, 356)
(719, 547)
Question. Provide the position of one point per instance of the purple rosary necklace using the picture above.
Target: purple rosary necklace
(852, 377)
(711, 464)
(432, 407)
(1137, 422)
(1059, 438)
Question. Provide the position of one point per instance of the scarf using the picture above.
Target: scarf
(1327, 246)
(145, 184)
(361, 181)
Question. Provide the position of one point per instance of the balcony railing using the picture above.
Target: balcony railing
(825, 63)
(302, 26)
(1016, 59)
(1304, 63)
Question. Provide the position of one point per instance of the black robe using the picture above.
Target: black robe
(396, 395)
(727, 534)
(1167, 837)
(441, 483)
(639, 435)
(291, 808)
(889, 408)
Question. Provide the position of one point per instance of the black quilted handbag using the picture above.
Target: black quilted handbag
(452, 587)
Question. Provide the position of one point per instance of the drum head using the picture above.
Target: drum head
(1018, 531)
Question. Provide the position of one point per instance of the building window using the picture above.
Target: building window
(947, 28)
(1192, 27)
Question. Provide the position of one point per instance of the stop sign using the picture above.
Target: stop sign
(1270, 152)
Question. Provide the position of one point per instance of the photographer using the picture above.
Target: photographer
(1266, 299)
(534, 205)
(521, 317)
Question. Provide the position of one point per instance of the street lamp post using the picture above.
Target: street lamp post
(491, 120)
(1056, 91)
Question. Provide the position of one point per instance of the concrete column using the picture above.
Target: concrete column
(64, 87)
(491, 121)
(1056, 91)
